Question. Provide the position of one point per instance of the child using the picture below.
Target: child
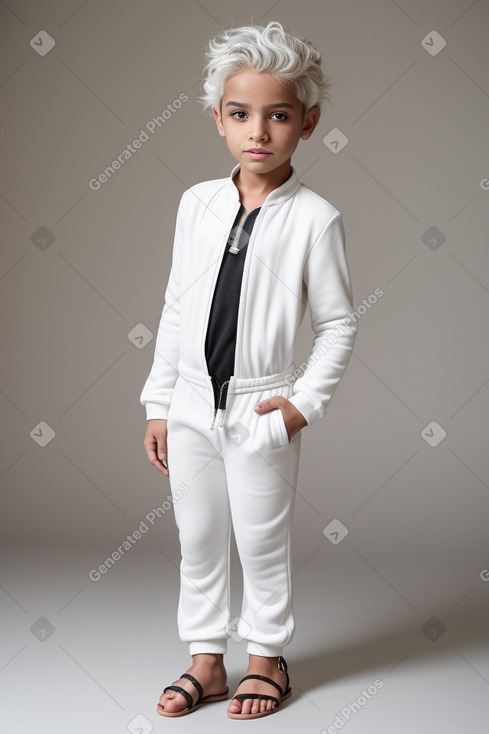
(225, 403)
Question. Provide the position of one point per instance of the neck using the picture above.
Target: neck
(256, 185)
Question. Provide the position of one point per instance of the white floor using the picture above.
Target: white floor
(93, 656)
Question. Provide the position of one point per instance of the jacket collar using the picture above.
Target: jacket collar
(277, 196)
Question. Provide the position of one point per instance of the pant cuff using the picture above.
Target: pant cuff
(215, 647)
(268, 651)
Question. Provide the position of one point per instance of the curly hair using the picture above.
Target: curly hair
(267, 49)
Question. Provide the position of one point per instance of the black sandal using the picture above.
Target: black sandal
(282, 665)
(201, 700)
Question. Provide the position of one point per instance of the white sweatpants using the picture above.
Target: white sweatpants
(240, 474)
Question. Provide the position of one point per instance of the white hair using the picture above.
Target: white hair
(267, 49)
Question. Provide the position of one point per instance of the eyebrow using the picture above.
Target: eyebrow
(270, 106)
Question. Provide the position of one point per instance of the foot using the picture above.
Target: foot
(209, 670)
(259, 665)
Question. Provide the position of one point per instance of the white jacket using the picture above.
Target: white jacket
(296, 257)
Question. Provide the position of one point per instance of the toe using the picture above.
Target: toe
(247, 707)
(163, 700)
(171, 705)
(235, 706)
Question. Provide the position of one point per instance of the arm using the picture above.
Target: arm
(329, 295)
(158, 389)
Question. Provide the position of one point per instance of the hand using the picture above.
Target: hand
(155, 444)
(293, 418)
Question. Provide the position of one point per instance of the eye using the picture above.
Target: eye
(283, 116)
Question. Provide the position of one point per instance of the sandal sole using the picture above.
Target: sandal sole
(206, 700)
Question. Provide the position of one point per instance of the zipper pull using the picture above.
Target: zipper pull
(234, 249)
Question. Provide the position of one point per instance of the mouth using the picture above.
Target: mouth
(258, 153)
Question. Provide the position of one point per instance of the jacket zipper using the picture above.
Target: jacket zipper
(209, 305)
(219, 405)
(244, 289)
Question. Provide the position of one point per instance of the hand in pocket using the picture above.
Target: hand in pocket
(293, 419)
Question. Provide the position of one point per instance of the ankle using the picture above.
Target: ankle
(208, 659)
(263, 661)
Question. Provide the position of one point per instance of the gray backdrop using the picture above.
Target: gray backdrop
(400, 461)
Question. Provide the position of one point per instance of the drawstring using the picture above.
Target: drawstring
(218, 407)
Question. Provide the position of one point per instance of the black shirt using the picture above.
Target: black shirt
(220, 343)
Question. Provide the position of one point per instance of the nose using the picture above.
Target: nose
(258, 129)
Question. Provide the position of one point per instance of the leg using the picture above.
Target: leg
(201, 507)
(262, 480)
(203, 519)
(261, 484)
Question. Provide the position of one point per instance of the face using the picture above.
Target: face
(260, 110)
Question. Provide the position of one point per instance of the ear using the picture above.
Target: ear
(311, 119)
(218, 119)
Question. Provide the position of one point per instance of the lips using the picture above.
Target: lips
(258, 154)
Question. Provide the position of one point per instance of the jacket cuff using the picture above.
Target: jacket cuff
(156, 411)
(307, 407)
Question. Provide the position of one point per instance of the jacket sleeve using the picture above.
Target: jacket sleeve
(329, 297)
(158, 389)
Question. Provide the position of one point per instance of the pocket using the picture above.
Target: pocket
(269, 428)
(270, 431)
(282, 428)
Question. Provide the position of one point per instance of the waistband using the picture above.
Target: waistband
(235, 385)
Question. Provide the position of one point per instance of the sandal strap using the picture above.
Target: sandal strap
(282, 665)
(260, 696)
(265, 679)
(184, 693)
(196, 683)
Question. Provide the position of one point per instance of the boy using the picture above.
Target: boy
(225, 403)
